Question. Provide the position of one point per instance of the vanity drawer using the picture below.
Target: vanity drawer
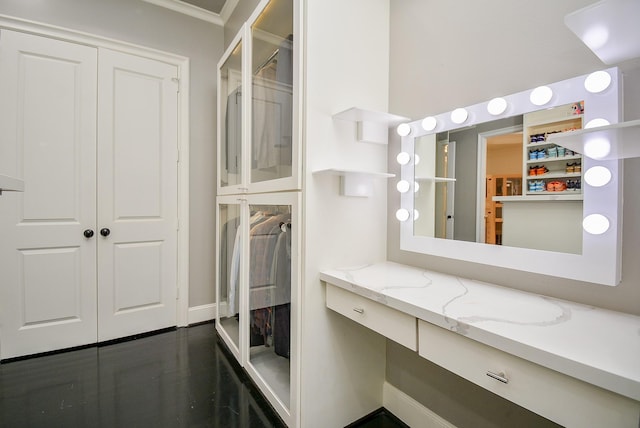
(558, 397)
(393, 324)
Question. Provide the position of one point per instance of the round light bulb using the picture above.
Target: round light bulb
(403, 158)
(594, 123)
(595, 224)
(416, 187)
(403, 186)
(597, 148)
(416, 215)
(497, 106)
(402, 214)
(429, 123)
(541, 95)
(459, 116)
(403, 129)
(597, 176)
(597, 82)
(416, 159)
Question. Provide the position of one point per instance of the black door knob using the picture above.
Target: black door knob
(88, 233)
(105, 232)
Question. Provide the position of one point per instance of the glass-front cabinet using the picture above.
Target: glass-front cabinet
(258, 188)
(258, 271)
(230, 163)
(257, 108)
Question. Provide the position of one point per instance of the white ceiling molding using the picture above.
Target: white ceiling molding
(191, 10)
(228, 9)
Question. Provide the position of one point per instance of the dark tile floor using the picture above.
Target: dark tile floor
(180, 378)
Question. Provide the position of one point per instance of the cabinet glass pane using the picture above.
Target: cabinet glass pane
(270, 295)
(271, 139)
(231, 124)
(229, 280)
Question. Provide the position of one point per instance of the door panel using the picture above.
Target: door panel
(37, 269)
(48, 128)
(137, 184)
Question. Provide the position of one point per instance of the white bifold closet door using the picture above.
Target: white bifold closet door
(97, 148)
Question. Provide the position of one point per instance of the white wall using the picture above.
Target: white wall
(346, 65)
(450, 54)
(141, 23)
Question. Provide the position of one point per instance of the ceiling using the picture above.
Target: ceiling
(214, 6)
(214, 11)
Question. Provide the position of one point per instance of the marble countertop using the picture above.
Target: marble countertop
(598, 346)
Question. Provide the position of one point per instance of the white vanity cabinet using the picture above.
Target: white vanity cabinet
(575, 365)
(393, 324)
(556, 396)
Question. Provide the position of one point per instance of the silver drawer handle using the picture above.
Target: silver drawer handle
(359, 310)
(498, 376)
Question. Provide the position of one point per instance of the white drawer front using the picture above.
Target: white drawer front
(382, 319)
(558, 397)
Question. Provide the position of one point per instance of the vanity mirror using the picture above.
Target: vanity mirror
(540, 211)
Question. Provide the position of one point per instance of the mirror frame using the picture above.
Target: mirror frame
(600, 261)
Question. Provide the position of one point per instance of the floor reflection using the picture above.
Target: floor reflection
(181, 378)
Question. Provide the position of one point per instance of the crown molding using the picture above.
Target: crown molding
(190, 10)
(227, 9)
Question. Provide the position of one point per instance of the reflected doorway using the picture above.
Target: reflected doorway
(499, 174)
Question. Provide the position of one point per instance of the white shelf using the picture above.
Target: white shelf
(623, 137)
(554, 175)
(541, 197)
(346, 172)
(371, 126)
(355, 114)
(355, 182)
(10, 184)
(437, 179)
(556, 159)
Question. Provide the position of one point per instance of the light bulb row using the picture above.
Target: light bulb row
(596, 148)
(594, 83)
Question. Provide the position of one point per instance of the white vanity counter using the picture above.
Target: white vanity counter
(597, 346)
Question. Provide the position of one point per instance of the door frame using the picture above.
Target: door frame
(182, 63)
(482, 174)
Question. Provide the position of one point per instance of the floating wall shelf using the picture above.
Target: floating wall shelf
(354, 182)
(437, 179)
(617, 141)
(543, 196)
(10, 184)
(371, 126)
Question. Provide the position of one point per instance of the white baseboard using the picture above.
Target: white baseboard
(202, 313)
(409, 410)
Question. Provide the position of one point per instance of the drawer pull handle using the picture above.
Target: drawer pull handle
(498, 376)
(359, 310)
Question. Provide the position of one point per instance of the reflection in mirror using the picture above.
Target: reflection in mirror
(489, 188)
(496, 159)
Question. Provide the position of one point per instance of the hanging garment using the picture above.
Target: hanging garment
(228, 236)
(267, 116)
(234, 278)
(263, 240)
(231, 149)
(282, 280)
